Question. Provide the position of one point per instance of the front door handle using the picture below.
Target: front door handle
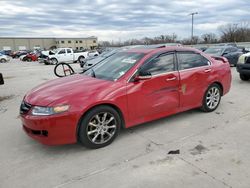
(207, 70)
(171, 79)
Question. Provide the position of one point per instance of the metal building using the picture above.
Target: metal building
(29, 43)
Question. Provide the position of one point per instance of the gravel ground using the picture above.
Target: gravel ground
(206, 149)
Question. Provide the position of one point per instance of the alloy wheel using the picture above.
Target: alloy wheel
(213, 97)
(101, 128)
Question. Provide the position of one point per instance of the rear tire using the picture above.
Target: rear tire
(212, 97)
(244, 77)
(99, 127)
(81, 59)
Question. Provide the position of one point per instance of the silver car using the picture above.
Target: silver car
(4, 58)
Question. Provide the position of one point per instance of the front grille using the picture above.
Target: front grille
(36, 132)
(24, 108)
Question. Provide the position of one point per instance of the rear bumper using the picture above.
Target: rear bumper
(51, 130)
(243, 69)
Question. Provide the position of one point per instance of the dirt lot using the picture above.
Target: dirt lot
(214, 147)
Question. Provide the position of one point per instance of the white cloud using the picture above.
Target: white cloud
(117, 20)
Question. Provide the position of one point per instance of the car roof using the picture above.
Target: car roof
(222, 46)
(165, 49)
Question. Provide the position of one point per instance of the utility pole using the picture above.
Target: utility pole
(192, 31)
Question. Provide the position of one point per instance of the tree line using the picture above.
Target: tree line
(227, 33)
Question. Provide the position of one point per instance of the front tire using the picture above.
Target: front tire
(244, 77)
(99, 127)
(212, 97)
(3, 61)
(54, 61)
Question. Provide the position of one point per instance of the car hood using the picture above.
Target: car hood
(62, 90)
(242, 58)
(246, 54)
(3, 56)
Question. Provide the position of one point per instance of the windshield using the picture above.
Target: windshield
(214, 51)
(115, 66)
(108, 53)
(55, 50)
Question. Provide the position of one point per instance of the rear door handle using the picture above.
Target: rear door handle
(171, 79)
(207, 70)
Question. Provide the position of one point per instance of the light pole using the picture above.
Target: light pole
(192, 31)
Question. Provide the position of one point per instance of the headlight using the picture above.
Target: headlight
(242, 59)
(46, 111)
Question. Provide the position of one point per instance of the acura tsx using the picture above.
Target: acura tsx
(127, 89)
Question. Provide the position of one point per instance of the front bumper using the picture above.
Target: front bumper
(243, 68)
(45, 61)
(51, 130)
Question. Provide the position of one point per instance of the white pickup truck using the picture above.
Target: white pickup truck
(67, 55)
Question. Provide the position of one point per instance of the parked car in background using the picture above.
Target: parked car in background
(203, 48)
(4, 58)
(243, 49)
(127, 89)
(230, 52)
(6, 52)
(93, 53)
(30, 56)
(1, 79)
(243, 66)
(66, 55)
(91, 61)
(17, 54)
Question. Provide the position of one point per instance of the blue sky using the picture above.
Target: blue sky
(117, 20)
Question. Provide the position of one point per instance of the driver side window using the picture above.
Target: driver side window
(62, 52)
(162, 64)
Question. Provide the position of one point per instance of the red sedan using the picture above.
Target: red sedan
(127, 89)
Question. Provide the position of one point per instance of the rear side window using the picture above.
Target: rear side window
(162, 64)
(69, 51)
(189, 60)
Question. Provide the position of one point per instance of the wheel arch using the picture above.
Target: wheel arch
(115, 107)
(80, 57)
(221, 86)
(53, 58)
(3, 59)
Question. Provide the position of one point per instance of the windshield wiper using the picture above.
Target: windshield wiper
(92, 72)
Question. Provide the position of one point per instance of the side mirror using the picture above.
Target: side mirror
(1, 79)
(143, 76)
